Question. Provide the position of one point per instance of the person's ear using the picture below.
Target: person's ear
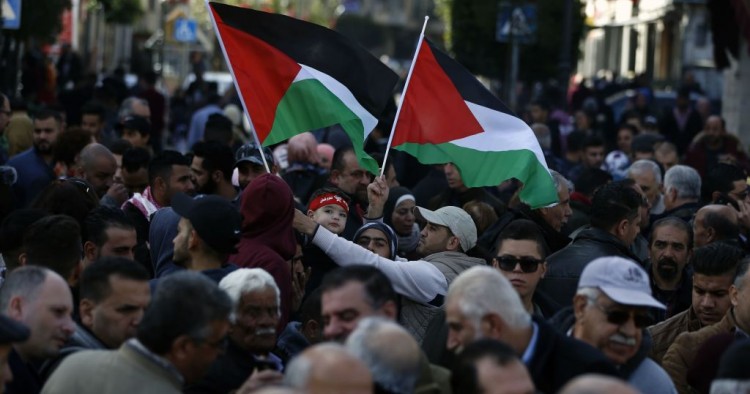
(217, 176)
(710, 234)
(622, 228)
(22, 259)
(182, 348)
(734, 295)
(491, 325)
(715, 195)
(544, 269)
(454, 244)
(193, 240)
(90, 251)
(390, 310)
(310, 213)
(15, 308)
(86, 312)
(311, 330)
(580, 302)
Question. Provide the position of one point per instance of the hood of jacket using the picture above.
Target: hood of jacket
(564, 320)
(267, 208)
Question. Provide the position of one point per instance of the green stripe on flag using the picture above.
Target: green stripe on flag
(309, 105)
(482, 168)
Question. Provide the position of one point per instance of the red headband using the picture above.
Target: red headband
(328, 199)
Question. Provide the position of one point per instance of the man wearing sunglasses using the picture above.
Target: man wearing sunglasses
(521, 252)
(611, 313)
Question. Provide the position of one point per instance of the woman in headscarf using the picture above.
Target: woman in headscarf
(398, 214)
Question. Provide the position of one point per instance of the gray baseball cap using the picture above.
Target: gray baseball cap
(456, 219)
(622, 280)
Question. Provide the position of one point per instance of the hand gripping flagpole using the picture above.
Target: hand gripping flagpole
(236, 85)
(403, 94)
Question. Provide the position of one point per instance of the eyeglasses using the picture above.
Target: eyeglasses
(508, 263)
(619, 317)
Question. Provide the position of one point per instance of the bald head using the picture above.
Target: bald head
(303, 148)
(389, 351)
(596, 384)
(713, 223)
(328, 368)
(98, 167)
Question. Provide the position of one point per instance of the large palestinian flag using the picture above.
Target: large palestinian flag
(447, 115)
(294, 76)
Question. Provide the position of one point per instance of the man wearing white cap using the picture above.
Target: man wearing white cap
(611, 314)
(449, 233)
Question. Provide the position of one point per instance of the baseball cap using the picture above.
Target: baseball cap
(622, 280)
(135, 122)
(456, 219)
(249, 152)
(12, 331)
(216, 221)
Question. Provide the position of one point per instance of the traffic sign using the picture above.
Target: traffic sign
(516, 23)
(11, 14)
(185, 30)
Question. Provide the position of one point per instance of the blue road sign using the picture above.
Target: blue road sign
(516, 22)
(185, 30)
(11, 14)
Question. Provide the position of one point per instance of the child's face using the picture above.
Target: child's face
(332, 217)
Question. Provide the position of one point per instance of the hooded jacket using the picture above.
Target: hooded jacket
(267, 241)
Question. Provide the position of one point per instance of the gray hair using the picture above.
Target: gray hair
(741, 273)
(126, 108)
(298, 371)
(591, 293)
(642, 166)
(560, 180)
(730, 386)
(481, 290)
(389, 351)
(184, 304)
(248, 280)
(23, 282)
(91, 152)
(685, 180)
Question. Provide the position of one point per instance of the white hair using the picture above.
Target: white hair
(592, 293)
(642, 166)
(297, 372)
(685, 180)
(389, 351)
(560, 180)
(481, 290)
(248, 280)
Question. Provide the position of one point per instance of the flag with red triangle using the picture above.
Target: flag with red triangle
(294, 76)
(447, 115)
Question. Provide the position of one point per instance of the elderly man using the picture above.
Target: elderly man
(489, 366)
(445, 240)
(181, 334)
(671, 279)
(682, 192)
(610, 313)
(252, 335)
(615, 225)
(40, 299)
(647, 175)
(328, 368)
(550, 220)
(714, 267)
(114, 295)
(714, 223)
(481, 303)
(389, 351)
(98, 167)
(681, 355)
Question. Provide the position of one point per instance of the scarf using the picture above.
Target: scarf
(408, 243)
(144, 202)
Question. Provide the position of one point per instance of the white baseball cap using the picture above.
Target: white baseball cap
(456, 219)
(622, 280)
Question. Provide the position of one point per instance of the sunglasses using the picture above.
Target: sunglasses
(619, 317)
(508, 263)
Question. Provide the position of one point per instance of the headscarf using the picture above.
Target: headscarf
(390, 235)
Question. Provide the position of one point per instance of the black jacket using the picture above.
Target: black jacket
(564, 321)
(558, 359)
(565, 267)
(554, 239)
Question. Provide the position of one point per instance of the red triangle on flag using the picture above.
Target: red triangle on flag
(432, 109)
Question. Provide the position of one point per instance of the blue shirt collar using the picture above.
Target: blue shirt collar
(529, 352)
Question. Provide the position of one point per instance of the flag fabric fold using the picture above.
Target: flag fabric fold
(447, 115)
(294, 76)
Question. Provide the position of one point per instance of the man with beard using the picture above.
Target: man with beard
(714, 267)
(34, 166)
(98, 167)
(347, 175)
(212, 167)
(670, 249)
(714, 147)
(610, 313)
(252, 333)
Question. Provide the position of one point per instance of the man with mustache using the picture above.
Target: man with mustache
(714, 266)
(252, 333)
(610, 313)
(671, 280)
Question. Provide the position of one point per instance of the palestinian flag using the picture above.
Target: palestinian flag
(447, 115)
(294, 76)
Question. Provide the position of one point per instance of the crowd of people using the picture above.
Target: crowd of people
(132, 266)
